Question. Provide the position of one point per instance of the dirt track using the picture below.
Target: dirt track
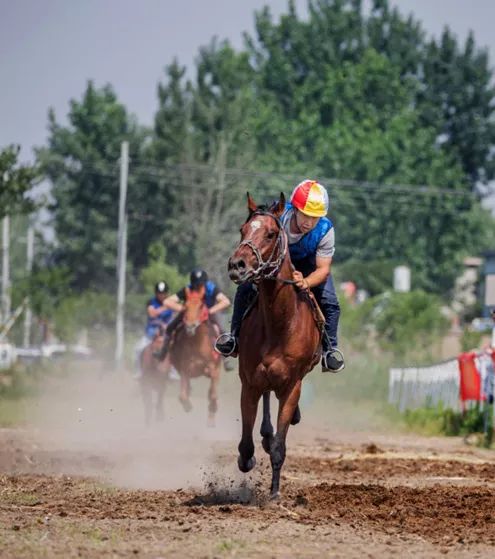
(343, 497)
(85, 479)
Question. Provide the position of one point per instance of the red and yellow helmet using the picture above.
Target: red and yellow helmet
(311, 198)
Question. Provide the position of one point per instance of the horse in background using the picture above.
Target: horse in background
(279, 341)
(154, 375)
(192, 353)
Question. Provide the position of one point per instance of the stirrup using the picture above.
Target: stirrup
(224, 339)
(336, 353)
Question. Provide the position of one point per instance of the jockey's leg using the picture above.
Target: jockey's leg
(216, 321)
(168, 337)
(138, 350)
(332, 358)
(227, 343)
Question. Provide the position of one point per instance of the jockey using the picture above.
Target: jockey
(311, 240)
(214, 299)
(159, 313)
(158, 316)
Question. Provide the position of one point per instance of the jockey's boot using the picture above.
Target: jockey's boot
(226, 345)
(332, 361)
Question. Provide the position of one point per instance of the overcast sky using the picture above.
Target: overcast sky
(49, 48)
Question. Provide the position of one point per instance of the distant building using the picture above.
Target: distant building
(488, 283)
(466, 289)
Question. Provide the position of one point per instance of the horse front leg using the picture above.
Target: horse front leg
(266, 430)
(185, 391)
(213, 396)
(287, 407)
(249, 409)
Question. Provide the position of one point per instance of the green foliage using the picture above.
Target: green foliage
(81, 162)
(403, 319)
(16, 180)
(158, 269)
(439, 420)
(375, 276)
(348, 93)
(471, 339)
(396, 322)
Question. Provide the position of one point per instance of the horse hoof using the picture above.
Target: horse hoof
(274, 497)
(296, 418)
(186, 404)
(211, 422)
(246, 467)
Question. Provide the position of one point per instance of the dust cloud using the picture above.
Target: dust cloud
(91, 422)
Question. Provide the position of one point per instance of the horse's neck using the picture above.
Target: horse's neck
(278, 300)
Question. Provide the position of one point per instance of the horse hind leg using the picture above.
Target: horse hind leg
(266, 430)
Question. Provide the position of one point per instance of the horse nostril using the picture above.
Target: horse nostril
(241, 265)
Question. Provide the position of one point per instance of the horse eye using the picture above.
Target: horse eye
(271, 235)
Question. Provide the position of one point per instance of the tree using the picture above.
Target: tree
(81, 162)
(16, 181)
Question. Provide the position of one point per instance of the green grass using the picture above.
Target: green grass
(21, 499)
(13, 411)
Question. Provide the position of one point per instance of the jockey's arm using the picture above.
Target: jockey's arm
(154, 312)
(173, 302)
(323, 265)
(221, 303)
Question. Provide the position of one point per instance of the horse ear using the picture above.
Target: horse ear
(280, 206)
(252, 206)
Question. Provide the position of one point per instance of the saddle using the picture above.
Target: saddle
(317, 313)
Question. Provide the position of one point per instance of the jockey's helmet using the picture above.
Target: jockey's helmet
(198, 277)
(161, 287)
(311, 198)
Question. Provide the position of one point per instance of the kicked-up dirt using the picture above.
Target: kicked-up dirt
(90, 485)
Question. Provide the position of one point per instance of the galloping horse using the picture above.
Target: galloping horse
(192, 354)
(279, 340)
(154, 377)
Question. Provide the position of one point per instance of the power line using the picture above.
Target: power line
(154, 171)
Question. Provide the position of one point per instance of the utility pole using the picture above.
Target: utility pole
(28, 316)
(5, 268)
(121, 254)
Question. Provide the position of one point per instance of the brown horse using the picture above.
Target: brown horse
(279, 341)
(192, 353)
(154, 377)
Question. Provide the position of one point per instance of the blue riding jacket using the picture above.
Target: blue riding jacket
(303, 253)
(162, 319)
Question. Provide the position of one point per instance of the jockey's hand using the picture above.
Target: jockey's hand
(300, 280)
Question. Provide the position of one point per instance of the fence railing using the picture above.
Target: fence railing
(416, 387)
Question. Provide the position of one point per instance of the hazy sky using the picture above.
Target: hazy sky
(49, 48)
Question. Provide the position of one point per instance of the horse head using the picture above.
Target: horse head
(263, 243)
(195, 311)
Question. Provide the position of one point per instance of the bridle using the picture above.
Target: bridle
(269, 268)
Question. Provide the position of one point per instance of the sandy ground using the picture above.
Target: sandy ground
(84, 478)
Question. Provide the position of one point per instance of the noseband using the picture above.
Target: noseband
(269, 268)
